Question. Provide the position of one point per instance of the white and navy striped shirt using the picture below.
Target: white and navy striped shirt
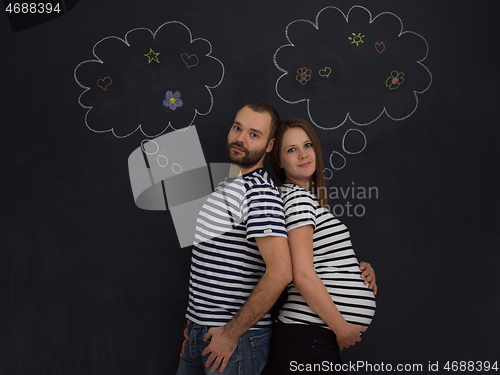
(226, 264)
(334, 261)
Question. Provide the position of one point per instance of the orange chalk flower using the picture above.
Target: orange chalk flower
(304, 75)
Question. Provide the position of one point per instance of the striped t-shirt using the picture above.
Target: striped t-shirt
(334, 261)
(226, 264)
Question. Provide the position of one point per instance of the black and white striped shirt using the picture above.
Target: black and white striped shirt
(226, 264)
(334, 261)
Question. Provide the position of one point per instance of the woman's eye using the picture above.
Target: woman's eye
(308, 145)
(291, 149)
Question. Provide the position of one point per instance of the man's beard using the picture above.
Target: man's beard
(248, 160)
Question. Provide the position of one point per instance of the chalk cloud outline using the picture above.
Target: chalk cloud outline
(125, 41)
(348, 116)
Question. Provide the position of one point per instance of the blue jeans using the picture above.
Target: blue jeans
(249, 357)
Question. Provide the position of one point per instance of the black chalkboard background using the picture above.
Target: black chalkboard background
(91, 284)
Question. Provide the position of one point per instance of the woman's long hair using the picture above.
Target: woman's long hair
(318, 178)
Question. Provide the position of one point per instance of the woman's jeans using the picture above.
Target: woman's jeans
(249, 357)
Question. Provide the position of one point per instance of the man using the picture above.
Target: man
(240, 261)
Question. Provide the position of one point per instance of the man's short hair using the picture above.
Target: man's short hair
(262, 107)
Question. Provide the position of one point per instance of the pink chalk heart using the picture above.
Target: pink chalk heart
(104, 83)
(394, 81)
(380, 47)
(189, 60)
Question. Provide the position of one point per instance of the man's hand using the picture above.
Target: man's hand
(369, 276)
(350, 336)
(221, 347)
(186, 339)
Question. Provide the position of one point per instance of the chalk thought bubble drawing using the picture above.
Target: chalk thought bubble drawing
(367, 58)
(136, 83)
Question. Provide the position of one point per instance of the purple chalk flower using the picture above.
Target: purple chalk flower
(172, 101)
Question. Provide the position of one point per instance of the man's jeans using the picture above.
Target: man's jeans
(248, 358)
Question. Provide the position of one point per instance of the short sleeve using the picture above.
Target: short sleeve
(300, 209)
(263, 212)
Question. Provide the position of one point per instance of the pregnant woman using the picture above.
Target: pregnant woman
(328, 305)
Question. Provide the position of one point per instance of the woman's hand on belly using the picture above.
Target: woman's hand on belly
(349, 336)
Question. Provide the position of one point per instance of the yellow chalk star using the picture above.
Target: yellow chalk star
(357, 39)
(151, 58)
